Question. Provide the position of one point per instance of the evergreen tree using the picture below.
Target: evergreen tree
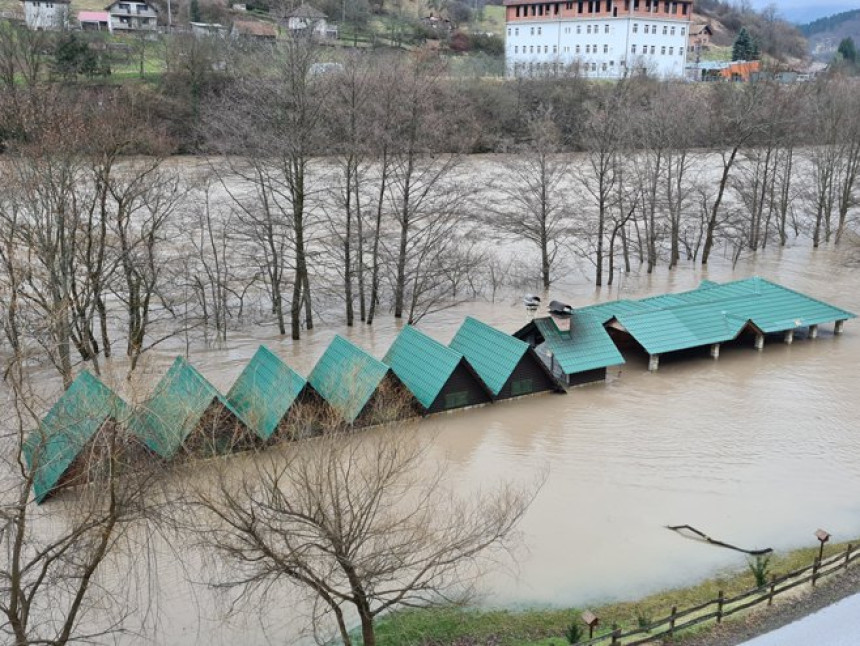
(195, 11)
(848, 50)
(745, 48)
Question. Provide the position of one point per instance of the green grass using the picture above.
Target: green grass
(545, 627)
(493, 20)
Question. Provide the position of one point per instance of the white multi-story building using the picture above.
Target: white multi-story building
(132, 15)
(41, 15)
(600, 38)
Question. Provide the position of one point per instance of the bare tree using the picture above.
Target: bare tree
(354, 522)
(528, 200)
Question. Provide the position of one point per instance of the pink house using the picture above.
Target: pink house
(95, 21)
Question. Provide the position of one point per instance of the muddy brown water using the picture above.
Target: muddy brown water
(757, 449)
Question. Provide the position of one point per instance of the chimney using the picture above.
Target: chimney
(562, 322)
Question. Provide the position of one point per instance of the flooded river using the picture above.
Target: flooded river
(758, 449)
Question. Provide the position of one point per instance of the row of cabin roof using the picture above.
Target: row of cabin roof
(269, 401)
(418, 375)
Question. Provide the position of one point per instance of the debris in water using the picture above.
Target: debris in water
(686, 530)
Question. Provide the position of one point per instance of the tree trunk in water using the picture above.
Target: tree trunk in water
(715, 210)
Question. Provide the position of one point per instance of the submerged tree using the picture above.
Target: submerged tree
(354, 522)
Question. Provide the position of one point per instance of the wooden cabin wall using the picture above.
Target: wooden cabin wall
(529, 367)
(462, 380)
(218, 432)
(392, 401)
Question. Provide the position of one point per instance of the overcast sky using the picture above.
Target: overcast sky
(804, 10)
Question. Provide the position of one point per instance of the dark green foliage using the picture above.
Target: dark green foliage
(760, 568)
(195, 11)
(74, 56)
(847, 50)
(574, 633)
(745, 47)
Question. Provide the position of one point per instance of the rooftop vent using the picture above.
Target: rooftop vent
(557, 308)
(531, 302)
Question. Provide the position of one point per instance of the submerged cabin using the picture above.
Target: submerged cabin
(187, 412)
(440, 378)
(577, 348)
(74, 438)
(508, 366)
(273, 400)
(359, 389)
(715, 314)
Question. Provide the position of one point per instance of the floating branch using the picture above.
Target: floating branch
(700, 536)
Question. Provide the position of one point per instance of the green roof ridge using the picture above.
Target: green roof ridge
(423, 364)
(346, 377)
(67, 428)
(492, 353)
(264, 392)
(164, 421)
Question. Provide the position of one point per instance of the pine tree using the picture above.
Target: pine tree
(744, 47)
(848, 50)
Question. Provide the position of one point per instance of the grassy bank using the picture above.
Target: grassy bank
(438, 627)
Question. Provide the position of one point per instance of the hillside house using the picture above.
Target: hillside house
(254, 30)
(132, 15)
(306, 20)
(47, 16)
(95, 21)
(700, 38)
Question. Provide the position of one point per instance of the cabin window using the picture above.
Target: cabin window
(524, 386)
(457, 399)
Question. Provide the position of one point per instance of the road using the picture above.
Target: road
(836, 625)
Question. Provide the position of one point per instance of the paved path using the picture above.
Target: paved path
(836, 625)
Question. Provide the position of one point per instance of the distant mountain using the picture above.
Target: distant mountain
(810, 12)
(825, 34)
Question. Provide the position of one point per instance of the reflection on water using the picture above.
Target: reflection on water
(759, 449)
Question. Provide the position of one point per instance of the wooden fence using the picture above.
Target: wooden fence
(717, 609)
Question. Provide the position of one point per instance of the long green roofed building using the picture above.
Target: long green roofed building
(440, 378)
(186, 410)
(57, 450)
(266, 392)
(359, 388)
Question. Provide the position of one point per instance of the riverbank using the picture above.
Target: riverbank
(547, 627)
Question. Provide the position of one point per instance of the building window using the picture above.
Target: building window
(635, 28)
(578, 49)
(646, 28)
(683, 29)
(606, 29)
(671, 51)
(653, 50)
(672, 31)
(606, 49)
(538, 31)
(509, 31)
(632, 49)
(663, 50)
(516, 49)
(458, 399)
(546, 49)
(588, 29)
(604, 67)
(594, 67)
(531, 49)
(588, 49)
(654, 29)
(579, 29)
(533, 31)
(516, 31)
(555, 49)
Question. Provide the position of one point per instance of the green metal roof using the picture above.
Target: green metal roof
(346, 377)
(423, 364)
(164, 421)
(492, 353)
(66, 429)
(586, 347)
(264, 392)
(715, 313)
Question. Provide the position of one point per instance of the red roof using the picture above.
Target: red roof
(93, 16)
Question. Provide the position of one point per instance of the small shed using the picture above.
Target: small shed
(440, 378)
(95, 21)
(186, 411)
(578, 351)
(73, 438)
(509, 366)
(273, 400)
(359, 389)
